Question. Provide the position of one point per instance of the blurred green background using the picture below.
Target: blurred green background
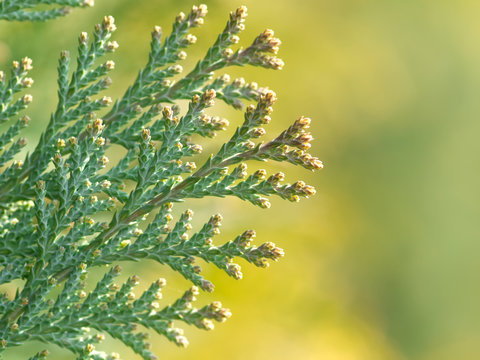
(383, 262)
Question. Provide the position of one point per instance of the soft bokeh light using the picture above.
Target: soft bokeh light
(382, 262)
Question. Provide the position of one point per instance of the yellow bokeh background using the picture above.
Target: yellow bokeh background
(383, 262)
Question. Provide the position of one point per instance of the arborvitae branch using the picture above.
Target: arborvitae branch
(26, 10)
(50, 235)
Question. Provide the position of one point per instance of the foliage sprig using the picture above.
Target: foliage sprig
(34, 10)
(53, 201)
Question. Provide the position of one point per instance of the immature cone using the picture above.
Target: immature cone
(109, 23)
(27, 64)
(240, 13)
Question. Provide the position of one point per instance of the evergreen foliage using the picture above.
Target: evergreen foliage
(38, 10)
(50, 202)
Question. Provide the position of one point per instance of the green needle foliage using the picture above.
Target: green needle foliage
(52, 202)
(28, 10)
